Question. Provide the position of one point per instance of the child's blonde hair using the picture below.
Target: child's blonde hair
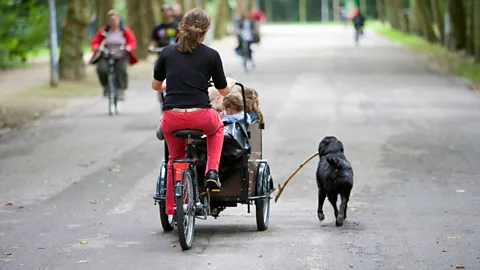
(213, 93)
(251, 96)
(233, 101)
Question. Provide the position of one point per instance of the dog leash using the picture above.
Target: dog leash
(282, 186)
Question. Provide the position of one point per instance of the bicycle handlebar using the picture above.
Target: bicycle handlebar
(157, 49)
(111, 52)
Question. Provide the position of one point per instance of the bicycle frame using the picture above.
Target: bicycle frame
(180, 165)
(112, 79)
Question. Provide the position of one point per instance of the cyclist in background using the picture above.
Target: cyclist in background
(166, 32)
(245, 32)
(112, 36)
(358, 22)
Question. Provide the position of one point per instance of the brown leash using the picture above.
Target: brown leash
(282, 186)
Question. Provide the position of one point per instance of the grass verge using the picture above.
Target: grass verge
(304, 23)
(23, 107)
(434, 55)
(20, 108)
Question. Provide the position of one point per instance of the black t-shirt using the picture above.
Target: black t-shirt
(165, 33)
(188, 74)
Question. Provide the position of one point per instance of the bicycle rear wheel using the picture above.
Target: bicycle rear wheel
(185, 211)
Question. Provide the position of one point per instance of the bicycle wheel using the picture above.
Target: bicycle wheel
(245, 56)
(184, 211)
(111, 95)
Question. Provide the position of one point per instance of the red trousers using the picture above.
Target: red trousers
(206, 120)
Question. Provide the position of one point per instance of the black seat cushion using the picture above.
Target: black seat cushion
(235, 143)
(185, 132)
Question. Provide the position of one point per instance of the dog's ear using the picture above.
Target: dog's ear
(341, 145)
(321, 148)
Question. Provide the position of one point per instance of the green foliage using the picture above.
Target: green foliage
(434, 54)
(24, 28)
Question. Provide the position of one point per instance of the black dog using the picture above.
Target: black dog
(334, 177)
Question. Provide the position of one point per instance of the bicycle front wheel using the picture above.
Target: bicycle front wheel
(112, 99)
(185, 212)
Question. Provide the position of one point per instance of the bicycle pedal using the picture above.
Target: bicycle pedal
(215, 190)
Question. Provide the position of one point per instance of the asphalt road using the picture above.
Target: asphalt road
(412, 136)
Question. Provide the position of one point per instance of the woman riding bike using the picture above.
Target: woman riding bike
(113, 36)
(188, 66)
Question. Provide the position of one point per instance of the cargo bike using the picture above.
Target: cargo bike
(245, 177)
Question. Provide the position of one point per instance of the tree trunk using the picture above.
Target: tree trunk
(204, 4)
(336, 10)
(269, 10)
(438, 15)
(476, 27)
(363, 7)
(414, 27)
(239, 8)
(103, 6)
(381, 11)
(138, 22)
(424, 21)
(151, 13)
(181, 3)
(458, 26)
(394, 9)
(250, 4)
(302, 5)
(220, 19)
(189, 5)
(71, 65)
(469, 8)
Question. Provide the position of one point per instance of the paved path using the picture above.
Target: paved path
(411, 135)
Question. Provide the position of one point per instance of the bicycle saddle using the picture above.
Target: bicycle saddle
(182, 133)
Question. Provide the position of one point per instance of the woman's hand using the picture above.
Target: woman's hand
(231, 82)
(164, 85)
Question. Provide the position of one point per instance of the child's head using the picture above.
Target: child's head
(251, 96)
(233, 103)
(216, 100)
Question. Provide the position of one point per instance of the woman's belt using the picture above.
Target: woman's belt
(186, 109)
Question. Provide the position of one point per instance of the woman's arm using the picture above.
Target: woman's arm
(159, 74)
(130, 39)
(218, 75)
(97, 39)
(157, 85)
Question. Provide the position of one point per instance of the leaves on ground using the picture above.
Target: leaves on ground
(9, 204)
(82, 242)
(115, 169)
(459, 266)
(93, 202)
(83, 261)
